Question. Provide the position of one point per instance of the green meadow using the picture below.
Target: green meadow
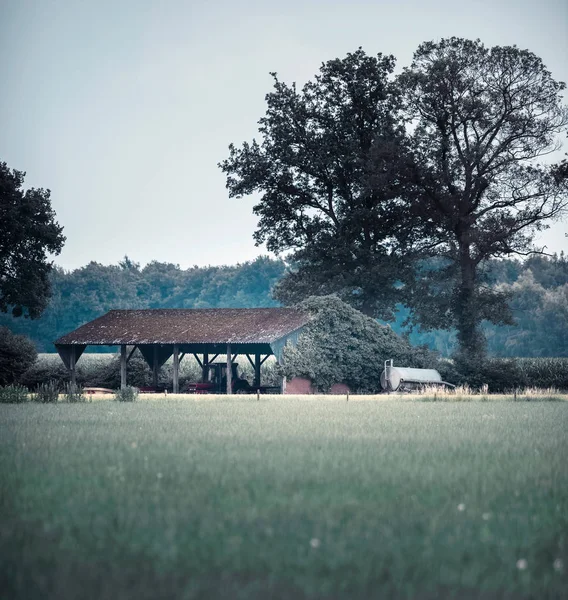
(284, 498)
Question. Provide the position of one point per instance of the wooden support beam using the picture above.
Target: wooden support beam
(256, 365)
(176, 370)
(234, 356)
(204, 366)
(250, 360)
(181, 356)
(131, 353)
(123, 366)
(72, 369)
(198, 361)
(265, 358)
(229, 370)
(155, 367)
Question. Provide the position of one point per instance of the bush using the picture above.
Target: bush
(17, 353)
(47, 367)
(46, 392)
(73, 394)
(13, 394)
(341, 345)
(508, 374)
(127, 394)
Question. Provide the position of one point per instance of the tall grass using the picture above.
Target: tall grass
(13, 394)
(283, 499)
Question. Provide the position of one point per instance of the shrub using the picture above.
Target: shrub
(13, 394)
(341, 345)
(47, 367)
(46, 392)
(127, 394)
(73, 393)
(509, 374)
(17, 353)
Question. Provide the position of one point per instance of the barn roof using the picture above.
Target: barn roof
(188, 326)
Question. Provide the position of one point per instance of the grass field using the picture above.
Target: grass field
(283, 498)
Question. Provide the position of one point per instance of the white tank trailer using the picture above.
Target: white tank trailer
(404, 379)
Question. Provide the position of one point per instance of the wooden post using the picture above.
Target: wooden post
(284, 384)
(155, 367)
(176, 369)
(122, 366)
(72, 370)
(204, 367)
(229, 370)
(257, 369)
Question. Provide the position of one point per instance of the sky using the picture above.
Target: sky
(124, 108)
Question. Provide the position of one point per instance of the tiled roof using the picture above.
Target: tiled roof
(188, 326)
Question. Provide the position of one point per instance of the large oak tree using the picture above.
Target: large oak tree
(330, 184)
(481, 118)
(29, 233)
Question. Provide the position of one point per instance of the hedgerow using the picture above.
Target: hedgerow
(508, 374)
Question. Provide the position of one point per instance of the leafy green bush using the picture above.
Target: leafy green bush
(13, 394)
(127, 394)
(49, 367)
(46, 392)
(17, 354)
(341, 345)
(508, 374)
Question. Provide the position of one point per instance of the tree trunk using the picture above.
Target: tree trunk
(470, 337)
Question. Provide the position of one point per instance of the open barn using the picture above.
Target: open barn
(159, 334)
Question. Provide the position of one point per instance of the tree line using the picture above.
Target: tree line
(538, 287)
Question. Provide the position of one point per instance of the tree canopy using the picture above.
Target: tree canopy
(329, 192)
(28, 234)
(365, 178)
(482, 117)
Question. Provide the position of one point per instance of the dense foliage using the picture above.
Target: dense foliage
(360, 173)
(29, 233)
(17, 353)
(538, 288)
(508, 374)
(341, 345)
(326, 169)
(482, 117)
(538, 292)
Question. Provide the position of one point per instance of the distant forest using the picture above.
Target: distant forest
(539, 288)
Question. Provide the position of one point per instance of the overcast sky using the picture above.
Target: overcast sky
(123, 108)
